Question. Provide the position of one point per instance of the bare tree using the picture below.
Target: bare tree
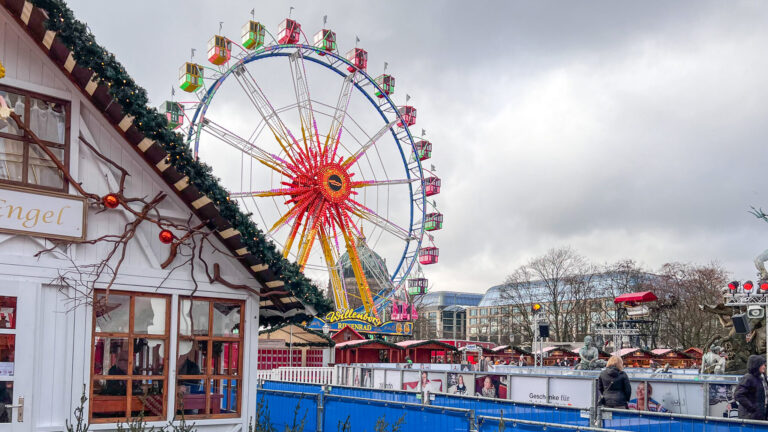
(560, 280)
(685, 287)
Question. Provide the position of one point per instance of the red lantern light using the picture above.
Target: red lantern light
(764, 285)
(110, 201)
(748, 285)
(166, 236)
(733, 286)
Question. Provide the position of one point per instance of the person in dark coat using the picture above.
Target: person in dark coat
(750, 393)
(614, 384)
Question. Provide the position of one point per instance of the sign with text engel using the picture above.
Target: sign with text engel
(42, 214)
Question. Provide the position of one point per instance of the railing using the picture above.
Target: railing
(650, 421)
(362, 407)
(310, 375)
(322, 411)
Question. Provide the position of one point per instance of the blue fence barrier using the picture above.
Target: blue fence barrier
(502, 408)
(292, 387)
(494, 424)
(362, 414)
(285, 409)
(652, 422)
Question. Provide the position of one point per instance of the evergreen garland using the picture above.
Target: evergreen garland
(133, 98)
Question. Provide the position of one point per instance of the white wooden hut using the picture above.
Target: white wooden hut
(154, 344)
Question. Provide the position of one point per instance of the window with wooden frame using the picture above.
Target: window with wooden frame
(210, 357)
(129, 373)
(22, 161)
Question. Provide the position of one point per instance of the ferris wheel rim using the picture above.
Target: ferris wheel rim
(399, 274)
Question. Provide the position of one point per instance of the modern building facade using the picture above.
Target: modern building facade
(443, 314)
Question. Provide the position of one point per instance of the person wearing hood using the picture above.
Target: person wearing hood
(614, 384)
(750, 393)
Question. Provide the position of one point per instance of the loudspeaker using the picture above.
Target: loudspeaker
(544, 330)
(755, 312)
(740, 323)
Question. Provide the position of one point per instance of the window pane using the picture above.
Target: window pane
(194, 321)
(11, 159)
(6, 398)
(148, 356)
(112, 313)
(110, 356)
(193, 356)
(223, 394)
(147, 398)
(149, 315)
(7, 312)
(42, 171)
(16, 104)
(48, 120)
(226, 357)
(109, 398)
(192, 396)
(226, 319)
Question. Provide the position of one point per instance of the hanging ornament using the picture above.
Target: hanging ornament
(166, 236)
(110, 201)
(2, 71)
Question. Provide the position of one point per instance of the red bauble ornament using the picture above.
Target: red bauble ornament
(110, 201)
(166, 236)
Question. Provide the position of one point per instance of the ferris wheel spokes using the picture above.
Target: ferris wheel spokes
(282, 134)
(331, 258)
(359, 153)
(339, 114)
(264, 157)
(304, 103)
(371, 216)
(343, 222)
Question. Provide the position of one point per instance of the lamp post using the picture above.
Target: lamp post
(331, 351)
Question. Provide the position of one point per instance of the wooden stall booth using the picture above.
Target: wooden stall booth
(293, 345)
(510, 354)
(636, 357)
(420, 351)
(674, 358)
(366, 351)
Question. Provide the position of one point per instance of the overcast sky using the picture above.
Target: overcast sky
(623, 129)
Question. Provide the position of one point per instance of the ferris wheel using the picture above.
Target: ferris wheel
(320, 155)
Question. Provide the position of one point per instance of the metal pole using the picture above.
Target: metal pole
(766, 328)
(454, 328)
(290, 348)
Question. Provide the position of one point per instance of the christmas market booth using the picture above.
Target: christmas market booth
(674, 358)
(293, 345)
(131, 284)
(636, 357)
(560, 355)
(420, 351)
(509, 354)
(367, 351)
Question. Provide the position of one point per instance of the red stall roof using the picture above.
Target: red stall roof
(640, 297)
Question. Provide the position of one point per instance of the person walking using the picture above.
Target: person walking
(751, 390)
(613, 384)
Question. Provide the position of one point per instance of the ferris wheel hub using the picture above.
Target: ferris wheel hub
(335, 183)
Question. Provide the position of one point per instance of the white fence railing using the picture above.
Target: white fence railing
(309, 375)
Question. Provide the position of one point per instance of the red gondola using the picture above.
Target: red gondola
(431, 186)
(409, 115)
(359, 59)
(428, 255)
(288, 32)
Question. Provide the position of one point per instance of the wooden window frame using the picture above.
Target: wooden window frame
(26, 140)
(208, 375)
(130, 335)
